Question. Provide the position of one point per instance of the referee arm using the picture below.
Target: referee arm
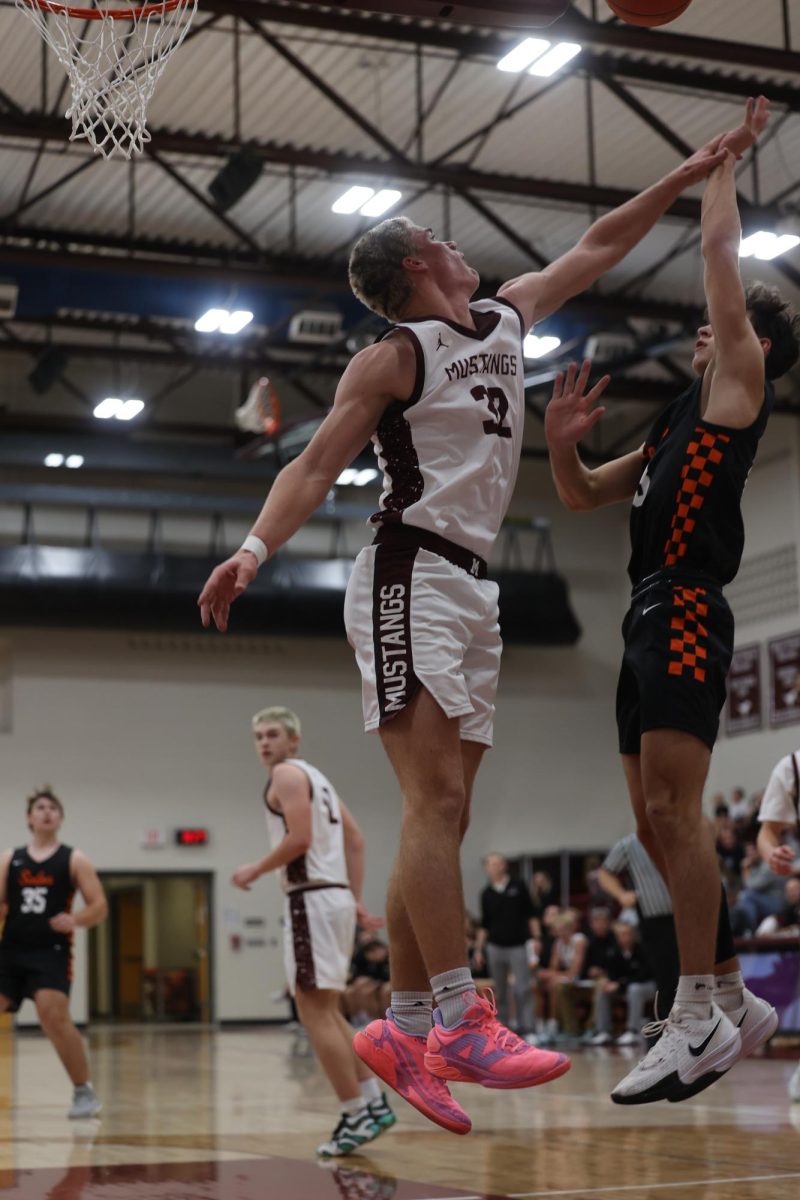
(611, 884)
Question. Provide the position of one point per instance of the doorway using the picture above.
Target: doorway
(150, 961)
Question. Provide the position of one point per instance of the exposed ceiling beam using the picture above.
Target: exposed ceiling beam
(455, 176)
(572, 26)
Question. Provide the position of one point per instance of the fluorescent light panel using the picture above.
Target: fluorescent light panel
(555, 59)
(352, 200)
(537, 347)
(120, 410)
(54, 460)
(766, 245)
(211, 320)
(234, 322)
(523, 54)
(73, 461)
(381, 202)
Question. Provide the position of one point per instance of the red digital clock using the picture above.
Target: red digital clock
(191, 837)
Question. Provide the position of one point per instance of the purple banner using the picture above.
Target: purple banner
(784, 680)
(743, 712)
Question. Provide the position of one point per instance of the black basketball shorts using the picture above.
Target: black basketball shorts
(26, 969)
(678, 647)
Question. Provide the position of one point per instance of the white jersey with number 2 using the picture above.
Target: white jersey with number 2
(324, 861)
(450, 454)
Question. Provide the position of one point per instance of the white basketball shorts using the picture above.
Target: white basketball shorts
(319, 931)
(416, 618)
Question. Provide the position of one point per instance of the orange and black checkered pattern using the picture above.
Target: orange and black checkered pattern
(703, 456)
(688, 643)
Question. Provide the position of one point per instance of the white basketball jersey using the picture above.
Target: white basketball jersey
(324, 861)
(450, 455)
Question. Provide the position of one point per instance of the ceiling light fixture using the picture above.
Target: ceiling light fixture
(119, 410)
(767, 245)
(523, 54)
(555, 59)
(222, 320)
(537, 347)
(73, 461)
(365, 476)
(352, 200)
(54, 460)
(381, 202)
(347, 476)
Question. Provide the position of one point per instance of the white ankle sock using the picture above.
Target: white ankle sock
(694, 995)
(729, 991)
(370, 1090)
(351, 1108)
(413, 1012)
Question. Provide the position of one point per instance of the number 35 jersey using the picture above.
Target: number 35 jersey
(450, 454)
(324, 862)
(37, 891)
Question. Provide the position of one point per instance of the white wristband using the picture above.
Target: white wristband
(255, 546)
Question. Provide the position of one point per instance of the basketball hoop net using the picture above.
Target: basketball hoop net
(114, 55)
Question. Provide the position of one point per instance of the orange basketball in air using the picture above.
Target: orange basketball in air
(648, 12)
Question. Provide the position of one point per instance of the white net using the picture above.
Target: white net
(114, 61)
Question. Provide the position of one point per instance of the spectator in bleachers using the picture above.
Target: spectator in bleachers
(739, 807)
(787, 920)
(557, 979)
(730, 853)
(508, 921)
(543, 893)
(629, 975)
(762, 895)
(602, 947)
(368, 994)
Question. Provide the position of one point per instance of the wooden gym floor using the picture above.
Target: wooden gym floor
(195, 1114)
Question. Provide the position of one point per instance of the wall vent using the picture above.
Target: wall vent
(319, 327)
(766, 586)
(8, 299)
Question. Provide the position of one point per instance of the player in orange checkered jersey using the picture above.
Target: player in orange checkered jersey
(687, 538)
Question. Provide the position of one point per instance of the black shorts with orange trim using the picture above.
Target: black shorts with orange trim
(678, 636)
(25, 970)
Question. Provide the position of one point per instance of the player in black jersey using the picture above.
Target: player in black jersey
(687, 538)
(37, 886)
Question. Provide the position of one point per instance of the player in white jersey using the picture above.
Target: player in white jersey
(442, 396)
(779, 817)
(319, 850)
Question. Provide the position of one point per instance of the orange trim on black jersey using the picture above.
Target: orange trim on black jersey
(703, 456)
(688, 644)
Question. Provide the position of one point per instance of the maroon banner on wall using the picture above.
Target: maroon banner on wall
(784, 680)
(743, 712)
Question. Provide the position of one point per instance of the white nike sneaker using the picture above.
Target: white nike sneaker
(689, 1056)
(756, 1021)
(794, 1087)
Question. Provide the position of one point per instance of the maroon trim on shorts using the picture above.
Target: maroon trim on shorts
(305, 976)
(316, 887)
(395, 680)
(412, 537)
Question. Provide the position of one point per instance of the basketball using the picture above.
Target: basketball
(648, 12)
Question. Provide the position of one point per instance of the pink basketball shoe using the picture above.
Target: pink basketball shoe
(481, 1050)
(399, 1060)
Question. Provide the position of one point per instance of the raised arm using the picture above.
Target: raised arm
(612, 236)
(371, 381)
(737, 385)
(291, 795)
(570, 415)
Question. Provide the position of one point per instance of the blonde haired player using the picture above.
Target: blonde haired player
(319, 851)
(442, 397)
